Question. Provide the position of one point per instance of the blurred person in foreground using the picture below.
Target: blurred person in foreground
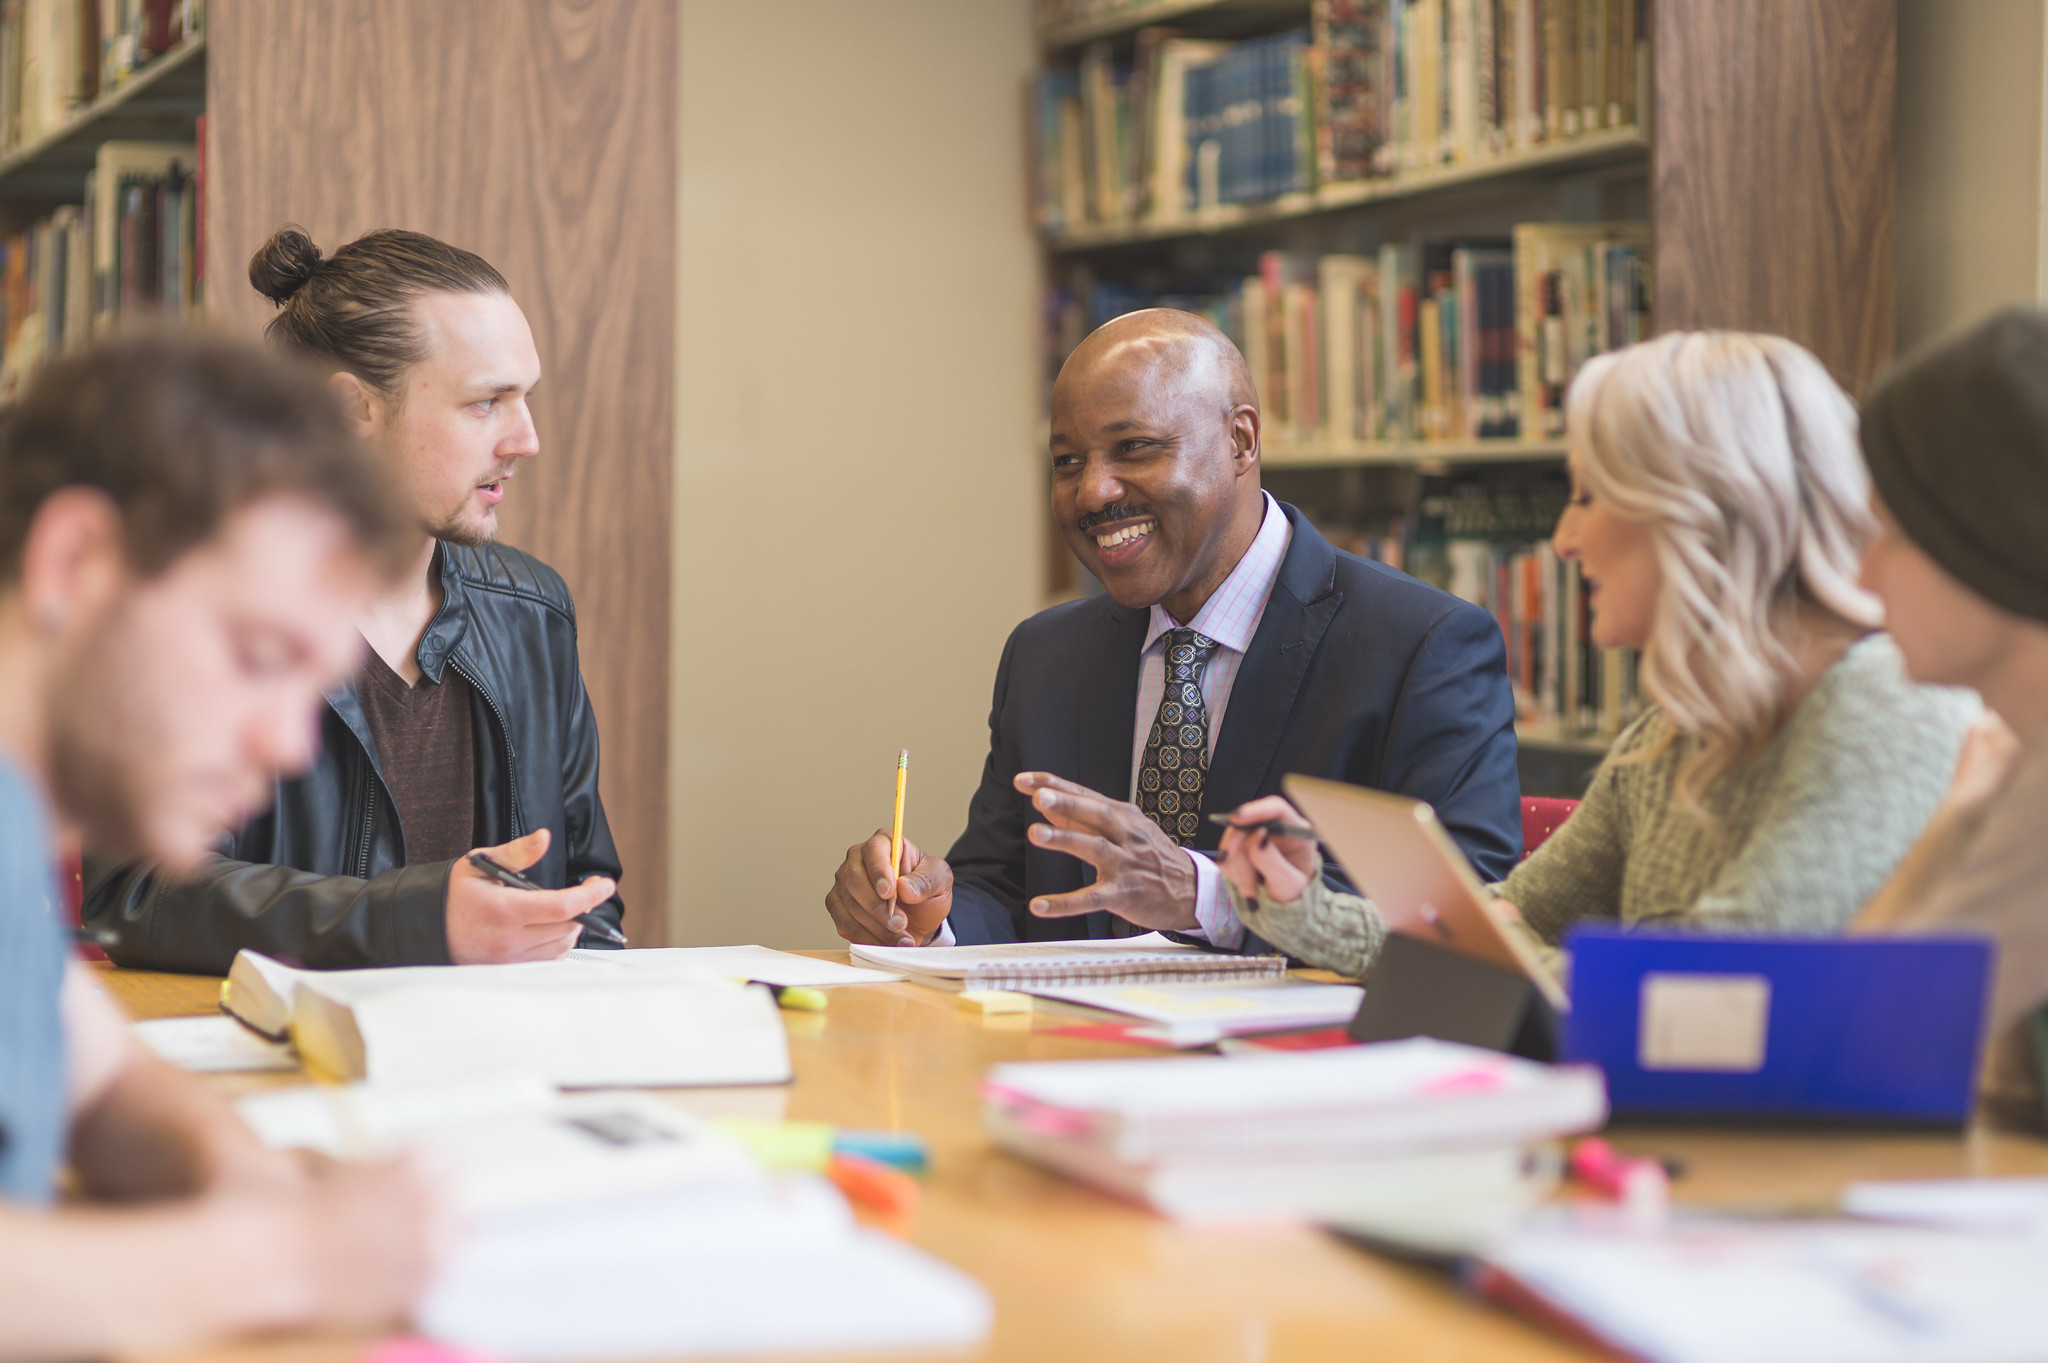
(467, 726)
(1957, 440)
(1232, 644)
(1719, 510)
(186, 532)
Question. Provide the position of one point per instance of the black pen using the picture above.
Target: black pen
(1277, 827)
(505, 875)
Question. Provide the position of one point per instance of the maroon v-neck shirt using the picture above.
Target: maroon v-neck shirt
(426, 749)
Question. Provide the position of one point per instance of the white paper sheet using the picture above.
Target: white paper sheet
(717, 1270)
(1792, 1292)
(216, 1045)
(764, 964)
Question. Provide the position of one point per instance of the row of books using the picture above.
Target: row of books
(1561, 678)
(59, 55)
(1406, 84)
(134, 246)
(1057, 14)
(1373, 88)
(1486, 538)
(1431, 340)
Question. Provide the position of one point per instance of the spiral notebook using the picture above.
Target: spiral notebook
(1037, 965)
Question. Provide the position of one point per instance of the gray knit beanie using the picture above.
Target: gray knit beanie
(1957, 439)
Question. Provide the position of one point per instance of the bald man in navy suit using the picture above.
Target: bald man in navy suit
(1232, 645)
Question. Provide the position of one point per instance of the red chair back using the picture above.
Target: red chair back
(71, 885)
(1541, 817)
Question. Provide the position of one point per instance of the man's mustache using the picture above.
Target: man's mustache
(1120, 511)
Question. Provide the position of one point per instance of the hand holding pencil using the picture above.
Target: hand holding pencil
(887, 891)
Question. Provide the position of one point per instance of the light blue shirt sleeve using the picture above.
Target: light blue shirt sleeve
(1215, 913)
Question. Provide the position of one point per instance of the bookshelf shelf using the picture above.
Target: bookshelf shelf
(1556, 738)
(1588, 151)
(1207, 15)
(158, 102)
(1311, 454)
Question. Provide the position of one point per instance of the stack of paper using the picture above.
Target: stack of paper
(702, 1251)
(1320, 1135)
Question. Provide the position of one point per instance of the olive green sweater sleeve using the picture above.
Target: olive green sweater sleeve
(1797, 838)
(1577, 873)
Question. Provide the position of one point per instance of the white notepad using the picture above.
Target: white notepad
(1196, 1013)
(1031, 965)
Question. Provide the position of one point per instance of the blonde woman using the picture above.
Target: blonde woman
(1719, 509)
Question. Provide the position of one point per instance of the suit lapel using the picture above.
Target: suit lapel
(1303, 604)
(1106, 702)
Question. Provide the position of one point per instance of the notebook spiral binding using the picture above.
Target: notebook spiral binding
(1126, 970)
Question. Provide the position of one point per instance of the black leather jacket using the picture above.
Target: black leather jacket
(321, 878)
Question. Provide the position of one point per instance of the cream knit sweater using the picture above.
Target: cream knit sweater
(1804, 833)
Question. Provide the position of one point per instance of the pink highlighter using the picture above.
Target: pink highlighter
(1640, 1185)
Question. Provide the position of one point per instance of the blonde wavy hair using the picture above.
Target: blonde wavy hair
(1740, 453)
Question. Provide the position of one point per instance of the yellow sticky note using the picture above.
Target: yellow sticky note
(988, 1001)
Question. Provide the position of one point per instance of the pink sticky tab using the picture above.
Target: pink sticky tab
(1465, 1081)
(413, 1349)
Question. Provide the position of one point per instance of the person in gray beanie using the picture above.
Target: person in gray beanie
(1956, 436)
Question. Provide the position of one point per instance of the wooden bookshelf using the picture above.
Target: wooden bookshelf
(1603, 148)
(1210, 17)
(1423, 454)
(1559, 738)
(1760, 156)
(157, 103)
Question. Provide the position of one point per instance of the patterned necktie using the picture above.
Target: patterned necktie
(1177, 750)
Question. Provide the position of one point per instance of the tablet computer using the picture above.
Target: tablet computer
(1398, 855)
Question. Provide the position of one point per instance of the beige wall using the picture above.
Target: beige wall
(857, 493)
(1970, 124)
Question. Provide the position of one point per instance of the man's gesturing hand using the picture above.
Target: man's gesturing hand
(869, 905)
(1140, 874)
(489, 922)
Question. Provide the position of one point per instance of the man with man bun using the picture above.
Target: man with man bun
(468, 727)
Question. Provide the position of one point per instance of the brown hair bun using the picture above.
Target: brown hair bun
(282, 265)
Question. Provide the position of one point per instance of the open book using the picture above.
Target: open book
(573, 1023)
(1030, 965)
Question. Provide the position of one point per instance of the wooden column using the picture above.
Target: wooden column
(1771, 181)
(540, 134)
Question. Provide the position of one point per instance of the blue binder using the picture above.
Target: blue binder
(1870, 1029)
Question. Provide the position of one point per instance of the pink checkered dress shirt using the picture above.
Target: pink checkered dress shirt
(1230, 617)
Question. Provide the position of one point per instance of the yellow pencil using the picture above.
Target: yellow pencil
(896, 831)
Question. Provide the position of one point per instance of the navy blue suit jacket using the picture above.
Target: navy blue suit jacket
(1357, 672)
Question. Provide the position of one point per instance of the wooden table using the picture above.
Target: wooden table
(1078, 1277)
